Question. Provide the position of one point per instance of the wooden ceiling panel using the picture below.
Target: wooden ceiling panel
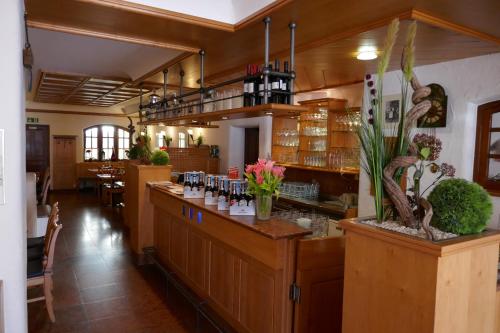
(85, 90)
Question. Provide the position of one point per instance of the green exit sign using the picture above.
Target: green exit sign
(32, 120)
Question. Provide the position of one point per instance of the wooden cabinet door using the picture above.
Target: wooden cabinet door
(224, 278)
(197, 263)
(320, 277)
(162, 234)
(257, 298)
(179, 244)
(64, 161)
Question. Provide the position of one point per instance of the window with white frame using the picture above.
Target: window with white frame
(182, 140)
(106, 139)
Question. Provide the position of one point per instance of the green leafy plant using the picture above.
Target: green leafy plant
(460, 206)
(141, 149)
(160, 157)
(199, 140)
(167, 140)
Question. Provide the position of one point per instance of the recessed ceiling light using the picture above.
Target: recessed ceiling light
(224, 118)
(269, 113)
(367, 53)
(194, 121)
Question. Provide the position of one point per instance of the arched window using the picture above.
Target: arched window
(105, 139)
(182, 140)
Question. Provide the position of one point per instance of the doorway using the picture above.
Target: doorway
(64, 169)
(37, 148)
(251, 145)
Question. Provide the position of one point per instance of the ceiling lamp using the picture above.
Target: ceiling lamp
(367, 53)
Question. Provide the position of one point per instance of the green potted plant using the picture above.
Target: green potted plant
(460, 207)
(141, 149)
(416, 260)
(264, 179)
(160, 157)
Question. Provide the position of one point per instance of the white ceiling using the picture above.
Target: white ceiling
(62, 52)
(227, 11)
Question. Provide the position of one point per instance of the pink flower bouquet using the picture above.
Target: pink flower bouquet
(264, 177)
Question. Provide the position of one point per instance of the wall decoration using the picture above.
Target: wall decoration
(436, 116)
(2, 170)
(392, 109)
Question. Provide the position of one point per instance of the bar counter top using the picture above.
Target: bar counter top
(273, 228)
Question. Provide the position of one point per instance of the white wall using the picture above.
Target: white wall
(13, 213)
(468, 84)
(232, 140)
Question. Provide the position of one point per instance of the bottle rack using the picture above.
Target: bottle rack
(190, 108)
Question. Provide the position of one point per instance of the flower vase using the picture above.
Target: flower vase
(263, 206)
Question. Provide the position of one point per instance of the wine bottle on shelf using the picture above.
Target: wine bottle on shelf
(246, 83)
(276, 84)
(285, 85)
(260, 85)
(270, 84)
(251, 85)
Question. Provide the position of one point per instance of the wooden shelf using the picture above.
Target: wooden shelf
(328, 170)
(275, 110)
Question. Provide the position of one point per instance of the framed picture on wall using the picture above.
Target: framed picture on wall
(391, 105)
(436, 116)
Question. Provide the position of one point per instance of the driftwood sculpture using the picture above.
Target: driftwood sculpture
(392, 188)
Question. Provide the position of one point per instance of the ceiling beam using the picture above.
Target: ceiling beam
(433, 20)
(163, 13)
(160, 68)
(105, 35)
(109, 92)
(77, 88)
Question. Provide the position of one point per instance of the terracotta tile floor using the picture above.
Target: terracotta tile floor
(97, 288)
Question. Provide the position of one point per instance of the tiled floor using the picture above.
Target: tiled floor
(97, 288)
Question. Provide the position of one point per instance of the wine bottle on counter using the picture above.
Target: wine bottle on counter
(201, 182)
(285, 85)
(208, 188)
(276, 84)
(233, 198)
(187, 183)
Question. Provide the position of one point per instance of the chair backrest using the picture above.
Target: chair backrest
(45, 191)
(46, 176)
(51, 225)
(50, 242)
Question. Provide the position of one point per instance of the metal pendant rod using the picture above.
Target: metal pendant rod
(165, 72)
(181, 83)
(140, 103)
(265, 70)
(292, 27)
(202, 78)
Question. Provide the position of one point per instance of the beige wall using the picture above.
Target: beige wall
(74, 124)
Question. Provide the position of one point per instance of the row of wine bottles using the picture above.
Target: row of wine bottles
(278, 88)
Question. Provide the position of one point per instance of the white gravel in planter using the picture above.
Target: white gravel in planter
(394, 226)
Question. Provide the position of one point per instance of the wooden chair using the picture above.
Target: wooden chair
(40, 270)
(35, 245)
(114, 186)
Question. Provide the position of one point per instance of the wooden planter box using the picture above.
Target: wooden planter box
(138, 212)
(395, 283)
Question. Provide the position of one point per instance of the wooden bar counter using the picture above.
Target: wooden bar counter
(242, 267)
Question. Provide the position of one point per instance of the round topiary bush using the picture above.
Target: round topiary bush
(460, 207)
(160, 157)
